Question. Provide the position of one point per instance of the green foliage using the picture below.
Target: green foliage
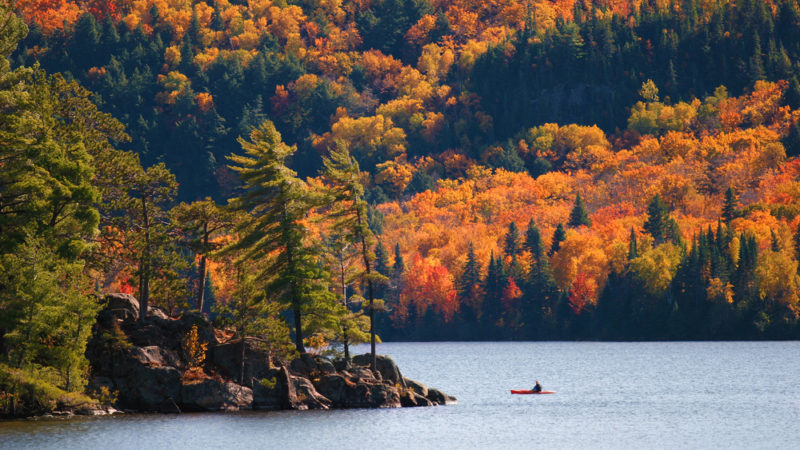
(559, 236)
(579, 216)
(47, 317)
(30, 392)
(277, 202)
(511, 243)
(349, 212)
(659, 224)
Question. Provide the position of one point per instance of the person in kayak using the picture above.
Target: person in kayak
(538, 387)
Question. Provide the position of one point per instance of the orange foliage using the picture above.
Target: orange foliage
(428, 285)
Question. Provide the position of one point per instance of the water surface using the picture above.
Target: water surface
(609, 395)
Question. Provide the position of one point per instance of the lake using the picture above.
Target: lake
(609, 395)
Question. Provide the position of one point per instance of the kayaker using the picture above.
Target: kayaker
(538, 387)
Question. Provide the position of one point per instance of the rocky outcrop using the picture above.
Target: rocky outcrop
(215, 395)
(144, 367)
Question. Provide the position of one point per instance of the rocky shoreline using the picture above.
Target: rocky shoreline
(142, 368)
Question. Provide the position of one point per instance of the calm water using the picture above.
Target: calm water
(609, 395)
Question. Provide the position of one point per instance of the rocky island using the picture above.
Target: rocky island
(143, 368)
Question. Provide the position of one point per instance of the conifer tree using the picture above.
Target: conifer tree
(511, 241)
(729, 208)
(350, 213)
(533, 241)
(277, 202)
(578, 216)
(199, 222)
(633, 248)
(469, 283)
(399, 266)
(659, 224)
(381, 259)
(559, 236)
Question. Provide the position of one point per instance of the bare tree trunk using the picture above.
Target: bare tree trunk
(345, 338)
(201, 292)
(364, 250)
(144, 276)
(244, 350)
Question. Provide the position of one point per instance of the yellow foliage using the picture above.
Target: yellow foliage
(194, 350)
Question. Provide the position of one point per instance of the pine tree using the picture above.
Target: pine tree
(350, 213)
(399, 267)
(657, 219)
(729, 208)
(511, 246)
(559, 236)
(277, 203)
(633, 248)
(469, 283)
(775, 243)
(533, 241)
(579, 216)
(381, 267)
(199, 222)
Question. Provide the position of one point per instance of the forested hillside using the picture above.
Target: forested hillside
(396, 79)
(330, 172)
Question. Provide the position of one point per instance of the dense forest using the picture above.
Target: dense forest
(327, 173)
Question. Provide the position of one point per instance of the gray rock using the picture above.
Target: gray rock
(155, 356)
(227, 358)
(272, 394)
(438, 397)
(215, 395)
(122, 306)
(147, 388)
(409, 398)
(306, 396)
(344, 392)
(385, 365)
(416, 386)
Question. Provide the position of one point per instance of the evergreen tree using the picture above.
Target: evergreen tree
(277, 202)
(657, 223)
(559, 236)
(399, 267)
(198, 222)
(252, 314)
(633, 248)
(579, 216)
(381, 259)
(511, 246)
(729, 208)
(341, 257)
(350, 212)
(469, 286)
(533, 241)
(775, 243)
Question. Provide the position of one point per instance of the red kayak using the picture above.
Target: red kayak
(528, 391)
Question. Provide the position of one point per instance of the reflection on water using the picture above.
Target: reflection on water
(610, 395)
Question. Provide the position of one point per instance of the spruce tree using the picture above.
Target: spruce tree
(657, 219)
(469, 285)
(559, 236)
(511, 241)
(381, 259)
(729, 207)
(277, 203)
(399, 266)
(533, 241)
(579, 216)
(633, 248)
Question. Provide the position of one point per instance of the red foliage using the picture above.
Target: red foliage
(428, 284)
(581, 293)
